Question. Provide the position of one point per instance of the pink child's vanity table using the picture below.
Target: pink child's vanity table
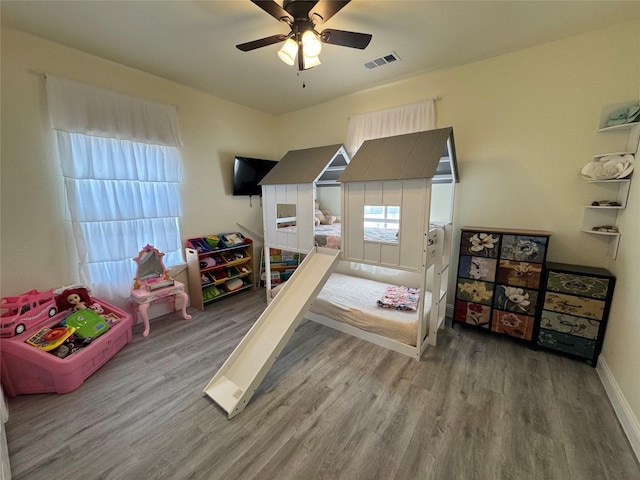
(153, 285)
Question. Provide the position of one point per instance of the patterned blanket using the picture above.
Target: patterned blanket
(400, 298)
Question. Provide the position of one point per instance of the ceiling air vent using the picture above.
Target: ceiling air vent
(383, 60)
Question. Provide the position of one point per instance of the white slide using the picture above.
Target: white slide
(238, 378)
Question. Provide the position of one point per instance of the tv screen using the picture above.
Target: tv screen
(247, 173)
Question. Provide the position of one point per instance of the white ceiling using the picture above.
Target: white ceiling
(193, 42)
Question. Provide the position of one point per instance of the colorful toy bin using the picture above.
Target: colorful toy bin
(212, 241)
(26, 369)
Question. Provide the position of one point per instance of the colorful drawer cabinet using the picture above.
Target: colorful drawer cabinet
(576, 303)
(500, 279)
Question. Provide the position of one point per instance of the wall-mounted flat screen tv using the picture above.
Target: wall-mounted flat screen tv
(247, 174)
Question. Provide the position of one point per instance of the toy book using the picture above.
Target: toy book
(50, 338)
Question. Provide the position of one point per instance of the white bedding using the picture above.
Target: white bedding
(353, 300)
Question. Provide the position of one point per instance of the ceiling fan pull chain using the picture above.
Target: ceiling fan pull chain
(300, 73)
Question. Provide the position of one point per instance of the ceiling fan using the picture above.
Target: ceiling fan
(303, 40)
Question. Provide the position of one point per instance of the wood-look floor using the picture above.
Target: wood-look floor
(332, 407)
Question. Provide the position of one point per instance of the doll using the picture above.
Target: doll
(76, 302)
(73, 298)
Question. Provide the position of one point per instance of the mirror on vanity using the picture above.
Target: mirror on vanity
(151, 273)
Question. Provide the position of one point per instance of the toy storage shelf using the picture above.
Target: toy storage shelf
(218, 272)
(282, 264)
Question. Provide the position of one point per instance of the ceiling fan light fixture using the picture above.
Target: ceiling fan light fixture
(311, 43)
(310, 62)
(288, 51)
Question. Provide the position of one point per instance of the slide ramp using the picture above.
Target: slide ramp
(239, 377)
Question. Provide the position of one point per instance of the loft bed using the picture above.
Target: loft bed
(401, 176)
(348, 302)
(289, 192)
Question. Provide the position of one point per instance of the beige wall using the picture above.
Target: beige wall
(525, 124)
(36, 249)
(621, 346)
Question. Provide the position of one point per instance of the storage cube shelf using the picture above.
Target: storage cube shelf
(499, 279)
(217, 272)
(282, 264)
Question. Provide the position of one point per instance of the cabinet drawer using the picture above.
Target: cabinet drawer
(563, 323)
(516, 299)
(477, 268)
(565, 343)
(472, 313)
(524, 248)
(578, 306)
(582, 285)
(475, 291)
(520, 274)
(513, 324)
(480, 244)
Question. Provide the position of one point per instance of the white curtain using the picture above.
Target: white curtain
(411, 118)
(400, 120)
(121, 167)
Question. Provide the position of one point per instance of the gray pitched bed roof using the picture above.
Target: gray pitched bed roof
(428, 154)
(305, 166)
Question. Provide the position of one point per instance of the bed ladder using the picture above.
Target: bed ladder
(239, 377)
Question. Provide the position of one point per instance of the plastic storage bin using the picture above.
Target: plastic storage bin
(26, 369)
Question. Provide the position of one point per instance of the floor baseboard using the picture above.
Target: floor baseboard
(625, 415)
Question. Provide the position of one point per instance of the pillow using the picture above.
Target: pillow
(400, 298)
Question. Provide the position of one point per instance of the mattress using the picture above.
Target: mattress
(353, 300)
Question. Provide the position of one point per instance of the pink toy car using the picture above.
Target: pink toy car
(29, 307)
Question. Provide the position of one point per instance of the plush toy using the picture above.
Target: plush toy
(96, 307)
(323, 217)
(207, 262)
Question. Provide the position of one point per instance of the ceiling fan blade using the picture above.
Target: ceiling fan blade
(273, 9)
(325, 9)
(345, 39)
(263, 42)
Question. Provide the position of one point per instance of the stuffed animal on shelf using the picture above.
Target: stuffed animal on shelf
(323, 217)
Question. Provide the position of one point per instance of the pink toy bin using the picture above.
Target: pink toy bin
(26, 369)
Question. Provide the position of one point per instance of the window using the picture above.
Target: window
(381, 223)
(120, 162)
(286, 215)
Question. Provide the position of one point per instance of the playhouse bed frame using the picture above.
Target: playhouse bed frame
(398, 171)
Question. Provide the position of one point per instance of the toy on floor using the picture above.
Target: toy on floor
(323, 217)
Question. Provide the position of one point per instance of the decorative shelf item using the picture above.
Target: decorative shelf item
(610, 173)
(625, 115)
(609, 167)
